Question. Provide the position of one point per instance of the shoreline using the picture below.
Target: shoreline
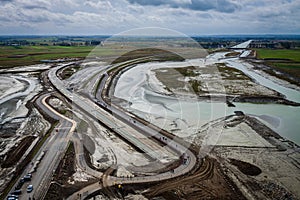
(214, 97)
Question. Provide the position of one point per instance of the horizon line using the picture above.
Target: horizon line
(191, 35)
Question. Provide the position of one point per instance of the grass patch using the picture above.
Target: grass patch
(286, 61)
(295, 66)
(70, 147)
(291, 54)
(29, 55)
(292, 69)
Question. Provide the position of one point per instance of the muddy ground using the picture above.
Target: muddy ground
(211, 79)
(16, 138)
(16, 153)
(209, 82)
(261, 173)
(60, 187)
(207, 182)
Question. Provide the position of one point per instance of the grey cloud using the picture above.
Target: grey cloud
(188, 16)
(33, 4)
(3, 2)
(200, 5)
(219, 5)
(35, 7)
(149, 3)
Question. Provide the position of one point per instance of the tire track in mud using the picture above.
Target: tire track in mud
(204, 172)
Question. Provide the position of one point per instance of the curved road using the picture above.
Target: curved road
(54, 149)
(100, 114)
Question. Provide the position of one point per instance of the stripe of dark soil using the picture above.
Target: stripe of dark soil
(246, 168)
(60, 188)
(16, 153)
(261, 129)
(64, 170)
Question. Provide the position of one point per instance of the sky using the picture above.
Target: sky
(191, 17)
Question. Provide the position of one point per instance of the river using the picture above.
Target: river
(133, 86)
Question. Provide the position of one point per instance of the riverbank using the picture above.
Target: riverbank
(139, 91)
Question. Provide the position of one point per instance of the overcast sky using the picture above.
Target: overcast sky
(192, 17)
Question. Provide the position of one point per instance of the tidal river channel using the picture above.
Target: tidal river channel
(134, 87)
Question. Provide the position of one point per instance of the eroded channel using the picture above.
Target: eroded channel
(148, 98)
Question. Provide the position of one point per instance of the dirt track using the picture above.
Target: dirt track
(207, 182)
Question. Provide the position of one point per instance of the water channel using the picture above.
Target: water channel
(133, 86)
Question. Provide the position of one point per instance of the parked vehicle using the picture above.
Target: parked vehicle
(27, 177)
(17, 192)
(12, 197)
(29, 188)
(20, 184)
(22, 180)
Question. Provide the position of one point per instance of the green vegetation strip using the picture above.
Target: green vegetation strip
(28, 55)
(70, 147)
(283, 60)
(42, 141)
(291, 54)
(288, 65)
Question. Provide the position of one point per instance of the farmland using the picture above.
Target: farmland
(292, 55)
(11, 56)
(286, 60)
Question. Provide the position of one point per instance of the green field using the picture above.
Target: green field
(27, 55)
(290, 68)
(291, 54)
(289, 64)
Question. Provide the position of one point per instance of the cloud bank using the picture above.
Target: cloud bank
(193, 17)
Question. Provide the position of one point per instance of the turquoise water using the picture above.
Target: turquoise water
(133, 86)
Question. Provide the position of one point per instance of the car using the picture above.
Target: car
(22, 180)
(29, 188)
(27, 177)
(17, 192)
(19, 186)
(12, 197)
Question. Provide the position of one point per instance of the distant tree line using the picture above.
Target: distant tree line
(207, 42)
(49, 43)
